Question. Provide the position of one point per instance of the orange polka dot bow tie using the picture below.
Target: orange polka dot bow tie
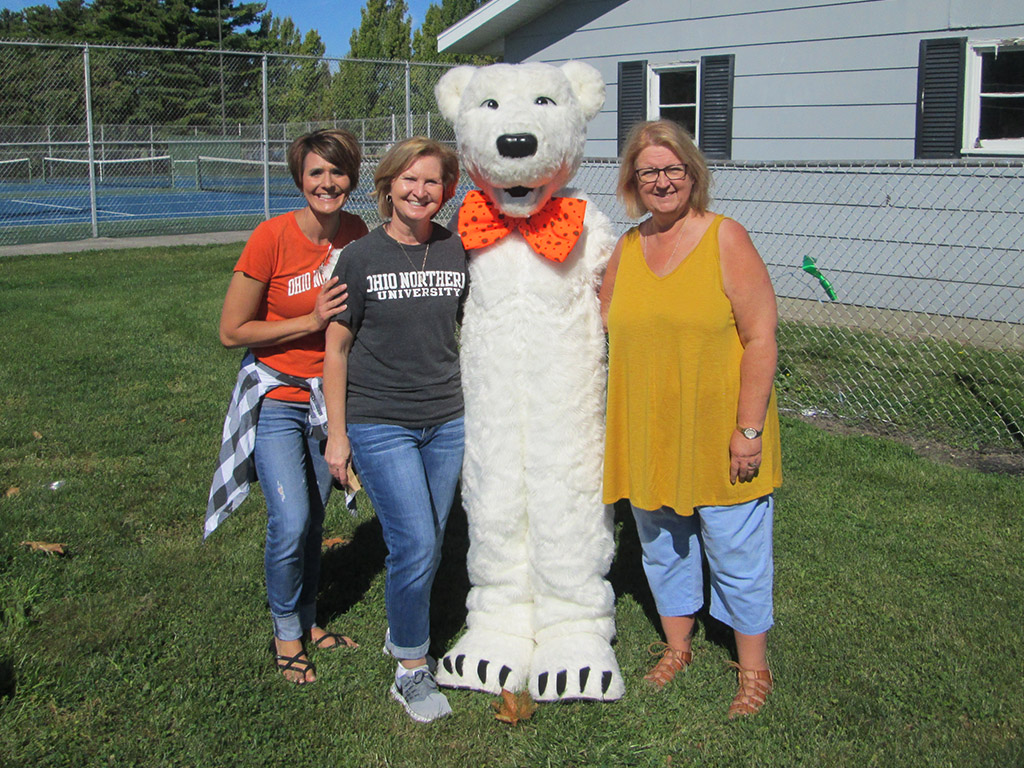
(552, 231)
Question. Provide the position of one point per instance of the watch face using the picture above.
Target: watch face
(749, 432)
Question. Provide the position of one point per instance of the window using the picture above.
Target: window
(698, 96)
(673, 95)
(994, 101)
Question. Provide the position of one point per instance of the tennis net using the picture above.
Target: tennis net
(18, 169)
(131, 172)
(225, 174)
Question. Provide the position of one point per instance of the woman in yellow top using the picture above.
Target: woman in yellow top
(693, 432)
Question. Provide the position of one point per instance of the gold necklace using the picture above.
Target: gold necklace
(408, 258)
(643, 248)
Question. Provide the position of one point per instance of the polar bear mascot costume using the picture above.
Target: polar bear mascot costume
(540, 611)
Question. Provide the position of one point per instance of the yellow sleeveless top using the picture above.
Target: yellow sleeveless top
(673, 386)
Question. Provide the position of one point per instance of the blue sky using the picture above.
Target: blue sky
(333, 19)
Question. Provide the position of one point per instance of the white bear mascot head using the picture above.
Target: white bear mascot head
(521, 128)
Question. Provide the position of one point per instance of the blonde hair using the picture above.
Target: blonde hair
(334, 145)
(671, 136)
(404, 154)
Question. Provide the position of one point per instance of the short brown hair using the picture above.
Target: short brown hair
(334, 145)
(671, 136)
(401, 156)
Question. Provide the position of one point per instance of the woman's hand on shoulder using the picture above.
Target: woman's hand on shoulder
(329, 302)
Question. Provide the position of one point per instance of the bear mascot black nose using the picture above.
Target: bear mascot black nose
(517, 144)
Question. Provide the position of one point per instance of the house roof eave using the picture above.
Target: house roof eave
(484, 31)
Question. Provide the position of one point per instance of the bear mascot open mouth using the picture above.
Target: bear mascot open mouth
(540, 610)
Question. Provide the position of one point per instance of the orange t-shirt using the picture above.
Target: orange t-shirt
(280, 255)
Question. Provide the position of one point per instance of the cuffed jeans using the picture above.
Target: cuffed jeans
(296, 483)
(410, 476)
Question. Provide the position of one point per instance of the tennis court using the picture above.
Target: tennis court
(130, 193)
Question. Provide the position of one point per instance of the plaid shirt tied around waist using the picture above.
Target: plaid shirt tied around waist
(236, 469)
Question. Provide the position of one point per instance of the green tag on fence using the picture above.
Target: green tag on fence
(812, 269)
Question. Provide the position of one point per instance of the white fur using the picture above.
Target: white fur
(541, 613)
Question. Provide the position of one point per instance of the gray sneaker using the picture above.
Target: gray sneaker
(419, 695)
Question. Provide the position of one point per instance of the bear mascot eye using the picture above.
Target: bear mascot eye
(543, 101)
(490, 104)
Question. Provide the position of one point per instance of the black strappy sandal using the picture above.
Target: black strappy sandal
(322, 643)
(298, 663)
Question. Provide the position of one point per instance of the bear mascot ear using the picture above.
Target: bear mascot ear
(449, 90)
(587, 85)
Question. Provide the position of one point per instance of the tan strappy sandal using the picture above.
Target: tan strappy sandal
(754, 687)
(670, 663)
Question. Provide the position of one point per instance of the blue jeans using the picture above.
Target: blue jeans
(296, 483)
(410, 476)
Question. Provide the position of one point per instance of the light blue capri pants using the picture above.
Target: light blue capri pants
(737, 541)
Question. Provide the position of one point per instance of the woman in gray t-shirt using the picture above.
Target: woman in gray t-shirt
(394, 396)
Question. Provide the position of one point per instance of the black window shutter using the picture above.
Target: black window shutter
(715, 130)
(940, 97)
(632, 97)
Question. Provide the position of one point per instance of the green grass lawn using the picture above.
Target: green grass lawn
(899, 592)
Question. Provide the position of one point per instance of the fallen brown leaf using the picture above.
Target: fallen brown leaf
(12, 491)
(514, 707)
(37, 435)
(44, 546)
(335, 542)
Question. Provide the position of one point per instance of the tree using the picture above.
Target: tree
(296, 86)
(383, 33)
(436, 21)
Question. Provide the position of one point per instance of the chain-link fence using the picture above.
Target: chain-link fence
(925, 333)
(926, 330)
(113, 141)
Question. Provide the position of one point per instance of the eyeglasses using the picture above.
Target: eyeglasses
(650, 175)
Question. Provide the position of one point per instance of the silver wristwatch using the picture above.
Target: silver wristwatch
(750, 433)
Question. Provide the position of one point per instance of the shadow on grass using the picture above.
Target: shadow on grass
(346, 572)
(7, 680)
(451, 586)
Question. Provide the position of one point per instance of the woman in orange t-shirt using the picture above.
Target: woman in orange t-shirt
(278, 304)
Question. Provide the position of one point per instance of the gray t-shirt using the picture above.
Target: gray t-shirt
(403, 311)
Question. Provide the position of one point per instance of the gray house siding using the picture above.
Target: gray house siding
(827, 80)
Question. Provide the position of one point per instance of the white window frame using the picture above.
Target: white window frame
(654, 89)
(972, 101)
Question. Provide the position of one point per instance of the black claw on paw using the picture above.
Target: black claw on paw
(447, 661)
(560, 683)
(542, 682)
(459, 661)
(481, 670)
(606, 681)
(503, 676)
(584, 675)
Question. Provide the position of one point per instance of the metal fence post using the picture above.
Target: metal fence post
(266, 145)
(408, 100)
(92, 144)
